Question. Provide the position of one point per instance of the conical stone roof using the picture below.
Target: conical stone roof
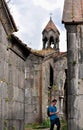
(50, 26)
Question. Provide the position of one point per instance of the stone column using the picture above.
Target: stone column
(72, 58)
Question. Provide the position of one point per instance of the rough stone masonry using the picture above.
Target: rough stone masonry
(73, 20)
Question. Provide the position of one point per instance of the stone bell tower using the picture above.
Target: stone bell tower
(50, 36)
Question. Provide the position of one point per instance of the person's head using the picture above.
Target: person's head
(54, 101)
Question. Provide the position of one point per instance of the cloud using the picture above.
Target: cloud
(31, 18)
(48, 4)
(62, 44)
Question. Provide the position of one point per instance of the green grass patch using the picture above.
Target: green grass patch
(45, 124)
(63, 124)
(64, 127)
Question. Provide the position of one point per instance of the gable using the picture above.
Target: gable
(18, 47)
(6, 18)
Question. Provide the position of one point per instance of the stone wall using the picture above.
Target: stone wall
(75, 76)
(38, 92)
(60, 67)
(25, 79)
(11, 86)
(33, 89)
(45, 85)
(55, 90)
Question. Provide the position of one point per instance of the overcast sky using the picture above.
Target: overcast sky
(31, 17)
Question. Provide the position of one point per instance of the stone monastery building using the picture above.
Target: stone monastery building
(30, 79)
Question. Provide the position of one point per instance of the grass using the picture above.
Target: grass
(45, 124)
(64, 127)
(63, 124)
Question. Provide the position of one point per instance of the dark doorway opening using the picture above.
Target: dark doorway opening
(65, 96)
(51, 76)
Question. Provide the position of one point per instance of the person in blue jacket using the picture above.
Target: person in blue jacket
(54, 119)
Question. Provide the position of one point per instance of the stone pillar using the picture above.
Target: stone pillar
(73, 95)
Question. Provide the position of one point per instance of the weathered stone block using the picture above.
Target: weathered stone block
(80, 86)
(73, 87)
(81, 71)
(18, 110)
(74, 123)
(21, 79)
(1, 70)
(15, 76)
(18, 94)
(28, 100)
(73, 112)
(35, 100)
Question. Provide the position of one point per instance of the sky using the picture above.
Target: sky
(31, 17)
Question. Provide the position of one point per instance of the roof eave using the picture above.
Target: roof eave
(72, 22)
(10, 18)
